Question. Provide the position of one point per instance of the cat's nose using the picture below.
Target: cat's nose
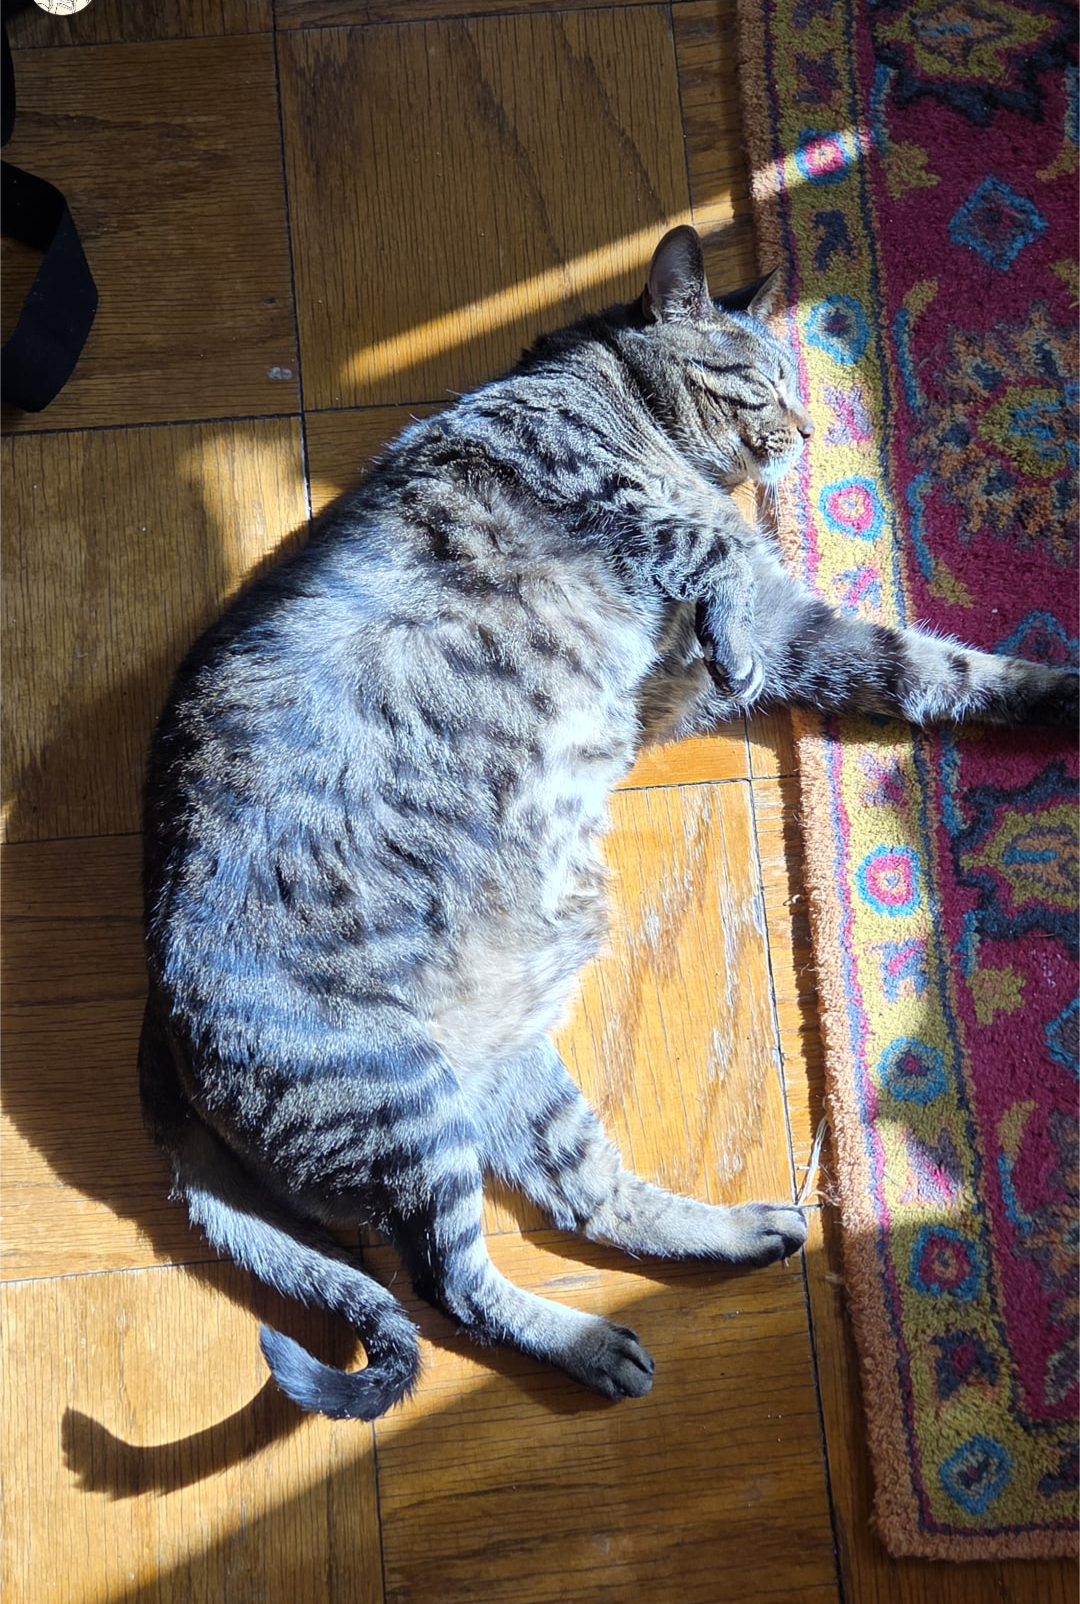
(804, 426)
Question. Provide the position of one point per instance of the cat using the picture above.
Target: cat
(374, 798)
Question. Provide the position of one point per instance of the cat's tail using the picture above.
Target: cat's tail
(301, 1262)
(294, 1257)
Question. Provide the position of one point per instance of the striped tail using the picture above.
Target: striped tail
(295, 1258)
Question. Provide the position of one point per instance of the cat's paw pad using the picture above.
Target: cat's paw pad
(765, 1232)
(610, 1360)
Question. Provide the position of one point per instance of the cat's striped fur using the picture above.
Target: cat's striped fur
(374, 798)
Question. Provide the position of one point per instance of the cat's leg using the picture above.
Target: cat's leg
(701, 554)
(438, 1233)
(384, 1133)
(727, 627)
(431, 1204)
(816, 657)
(539, 1134)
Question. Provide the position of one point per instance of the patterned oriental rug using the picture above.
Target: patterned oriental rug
(915, 170)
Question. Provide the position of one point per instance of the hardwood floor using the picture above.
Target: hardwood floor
(309, 224)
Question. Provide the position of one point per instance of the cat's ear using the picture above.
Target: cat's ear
(676, 290)
(759, 298)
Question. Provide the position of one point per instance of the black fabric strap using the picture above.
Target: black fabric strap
(56, 318)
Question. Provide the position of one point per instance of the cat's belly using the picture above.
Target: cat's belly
(505, 1001)
(540, 914)
(510, 979)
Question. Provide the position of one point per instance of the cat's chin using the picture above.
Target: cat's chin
(773, 470)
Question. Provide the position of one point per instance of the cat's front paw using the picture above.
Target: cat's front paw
(744, 676)
(736, 666)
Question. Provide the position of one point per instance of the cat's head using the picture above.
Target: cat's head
(739, 410)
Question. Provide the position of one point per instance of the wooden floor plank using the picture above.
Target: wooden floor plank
(110, 22)
(156, 1462)
(121, 545)
(705, 43)
(169, 156)
(454, 236)
(673, 1037)
(502, 1480)
(84, 1190)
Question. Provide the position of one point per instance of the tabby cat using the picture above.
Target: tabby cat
(373, 805)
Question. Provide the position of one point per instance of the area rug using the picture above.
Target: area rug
(915, 172)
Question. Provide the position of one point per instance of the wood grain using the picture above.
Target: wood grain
(344, 13)
(107, 22)
(502, 1480)
(158, 1465)
(673, 1038)
(705, 44)
(169, 157)
(84, 1189)
(700, 757)
(121, 546)
(454, 236)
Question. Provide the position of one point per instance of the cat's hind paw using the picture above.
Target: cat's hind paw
(761, 1233)
(610, 1360)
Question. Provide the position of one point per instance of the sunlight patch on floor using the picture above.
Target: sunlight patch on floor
(550, 288)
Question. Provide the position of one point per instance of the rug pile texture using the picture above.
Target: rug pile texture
(915, 173)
